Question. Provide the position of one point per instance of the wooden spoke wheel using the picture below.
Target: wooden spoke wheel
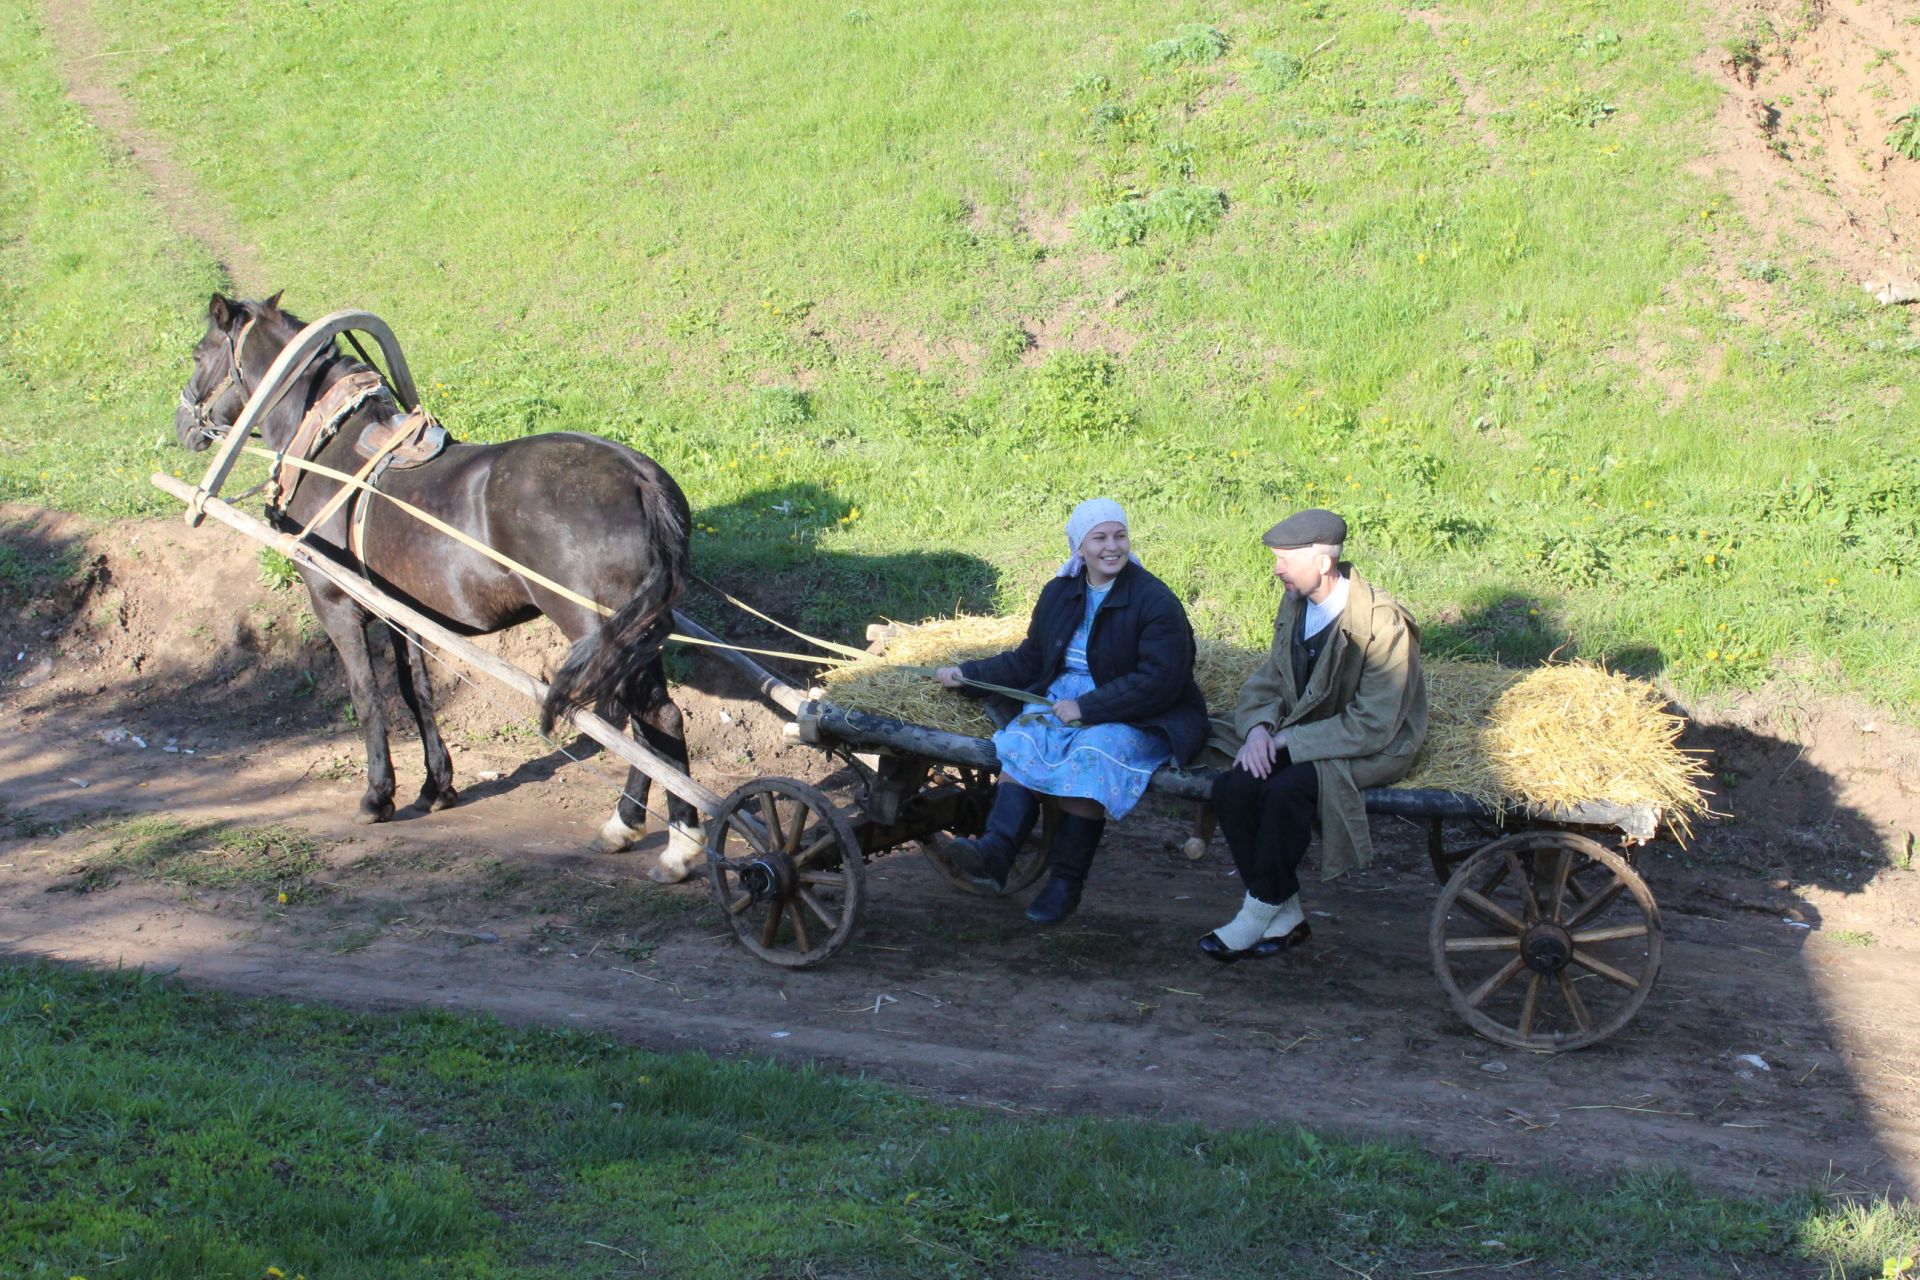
(1028, 865)
(1546, 940)
(787, 871)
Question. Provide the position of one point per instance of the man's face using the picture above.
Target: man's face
(1300, 569)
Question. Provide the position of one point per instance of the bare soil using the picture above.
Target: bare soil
(1801, 143)
(162, 677)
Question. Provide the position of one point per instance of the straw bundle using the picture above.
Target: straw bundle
(1559, 735)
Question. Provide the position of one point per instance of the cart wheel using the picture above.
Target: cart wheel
(1032, 860)
(1545, 940)
(787, 871)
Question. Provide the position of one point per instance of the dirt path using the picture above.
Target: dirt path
(494, 907)
(86, 68)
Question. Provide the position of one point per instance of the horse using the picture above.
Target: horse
(602, 519)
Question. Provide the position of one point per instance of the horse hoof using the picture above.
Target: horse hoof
(434, 801)
(662, 874)
(372, 813)
(616, 837)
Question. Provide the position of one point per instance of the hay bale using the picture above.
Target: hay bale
(1558, 735)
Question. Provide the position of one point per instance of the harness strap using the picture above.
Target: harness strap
(349, 491)
(335, 405)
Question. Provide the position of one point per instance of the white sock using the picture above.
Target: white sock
(1245, 929)
(1286, 918)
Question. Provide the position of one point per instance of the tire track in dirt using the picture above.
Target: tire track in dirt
(82, 46)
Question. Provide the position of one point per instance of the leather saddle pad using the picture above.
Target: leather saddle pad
(421, 439)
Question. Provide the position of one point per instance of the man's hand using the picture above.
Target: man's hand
(1260, 750)
(1068, 709)
(948, 676)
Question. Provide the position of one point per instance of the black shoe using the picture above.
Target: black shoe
(986, 860)
(1213, 949)
(1055, 902)
(1285, 942)
(1071, 854)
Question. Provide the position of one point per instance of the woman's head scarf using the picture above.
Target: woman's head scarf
(1085, 518)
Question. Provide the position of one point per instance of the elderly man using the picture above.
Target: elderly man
(1339, 705)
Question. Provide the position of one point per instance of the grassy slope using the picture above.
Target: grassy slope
(789, 251)
(156, 1133)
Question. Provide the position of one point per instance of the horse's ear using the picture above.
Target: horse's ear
(273, 303)
(220, 311)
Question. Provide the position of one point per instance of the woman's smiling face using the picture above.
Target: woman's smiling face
(1105, 549)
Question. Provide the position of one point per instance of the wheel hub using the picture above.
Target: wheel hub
(768, 876)
(1546, 947)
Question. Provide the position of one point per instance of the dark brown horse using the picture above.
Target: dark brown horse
(589, 514)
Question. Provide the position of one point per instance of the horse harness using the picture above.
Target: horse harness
(396, 439)
(202, 409)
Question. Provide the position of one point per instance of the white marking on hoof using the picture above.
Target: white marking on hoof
(685, 847)
(617, 836)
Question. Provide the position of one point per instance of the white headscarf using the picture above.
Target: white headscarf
(1085, 518)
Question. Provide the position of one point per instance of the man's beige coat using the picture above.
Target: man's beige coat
(1359, 721)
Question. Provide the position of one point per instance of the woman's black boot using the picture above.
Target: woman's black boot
(1074, 840)
(987, 858)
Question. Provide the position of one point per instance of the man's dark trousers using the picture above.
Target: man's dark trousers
(1268, 823)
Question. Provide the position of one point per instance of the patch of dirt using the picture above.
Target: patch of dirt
(1801, 138)
(1081, 324)
(84, 68)
(1788, 933)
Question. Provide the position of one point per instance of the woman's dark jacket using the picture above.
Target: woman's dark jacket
(1139, 652)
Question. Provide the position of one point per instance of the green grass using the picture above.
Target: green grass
(204, 855)
(154, 1132)
(803, 257)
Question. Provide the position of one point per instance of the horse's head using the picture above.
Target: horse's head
(241, 340)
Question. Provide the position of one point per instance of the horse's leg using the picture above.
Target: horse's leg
(346, 625)
(663, 728)
(412, 674)
(629, 820)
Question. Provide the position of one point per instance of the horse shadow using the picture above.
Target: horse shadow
(771, 549)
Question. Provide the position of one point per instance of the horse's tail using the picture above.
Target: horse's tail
(600, 664)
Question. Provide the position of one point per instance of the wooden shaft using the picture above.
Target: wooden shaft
(639, 755)
(767, 684)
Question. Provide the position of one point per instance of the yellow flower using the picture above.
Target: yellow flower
(283, 902)
(275, 1273)
(1709, 557)
(1713, 655)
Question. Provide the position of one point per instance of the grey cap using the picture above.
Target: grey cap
(1305, 528)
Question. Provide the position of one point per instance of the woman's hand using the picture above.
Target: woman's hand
(1260, 750)
(949, 676)
(1068, 709)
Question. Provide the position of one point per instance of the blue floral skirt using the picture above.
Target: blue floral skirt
(1110, 763)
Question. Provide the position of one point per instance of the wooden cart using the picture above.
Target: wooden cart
(1542, 937)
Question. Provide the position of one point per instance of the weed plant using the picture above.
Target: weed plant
(1463, 282)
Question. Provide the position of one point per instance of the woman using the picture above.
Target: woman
(1110, 648)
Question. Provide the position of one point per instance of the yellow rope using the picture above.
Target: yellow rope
(515, 566)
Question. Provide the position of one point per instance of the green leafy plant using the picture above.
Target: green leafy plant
(1905, 137)
(1077, 393)
(277, 572)
(1274, 71)
(1182, 211)
(1193, 45)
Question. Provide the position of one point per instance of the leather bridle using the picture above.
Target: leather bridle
(201, 410)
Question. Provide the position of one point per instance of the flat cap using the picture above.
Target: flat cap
(1305, 528)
